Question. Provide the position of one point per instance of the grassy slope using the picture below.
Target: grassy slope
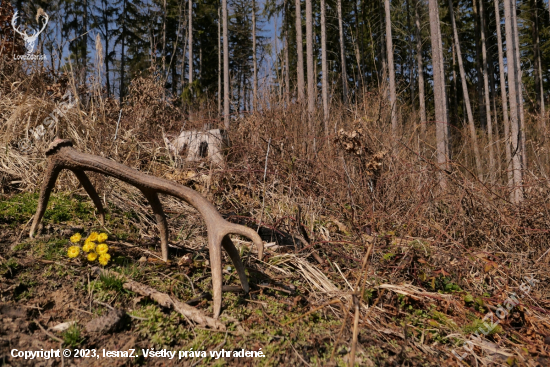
(37, 276)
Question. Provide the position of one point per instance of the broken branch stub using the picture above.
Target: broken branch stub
(62, 156)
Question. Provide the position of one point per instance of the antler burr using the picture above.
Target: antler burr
(62, 155)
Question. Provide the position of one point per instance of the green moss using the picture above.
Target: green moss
(72, 337)
(62, 207)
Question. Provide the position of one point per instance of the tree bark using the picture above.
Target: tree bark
(471, 124)
(516, 195)
(479, 73)
(539, 89)
(324, 91)
(391, 69)
(486, 90)
(504, 98)
(300, 50)
(190, 43)
(440, 99)
(219, 63)
(254, 60)
(519, 77)
(342, 53)
(420, 65)
(287, 63)
(310, 72)
(226, 116)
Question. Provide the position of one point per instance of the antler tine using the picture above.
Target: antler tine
(236, 259)
(48, 184)
(92, 193)
(154, 201)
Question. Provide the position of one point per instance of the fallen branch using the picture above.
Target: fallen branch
(166, 301)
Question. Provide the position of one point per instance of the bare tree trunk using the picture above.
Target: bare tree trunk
(219, 63)
(164, 40)
(516, 193)
(254, 60)
(486, 88)
(299, 48)
(538, 66)
(503, 97)
(190, 42)
(473, 134)
(479, 73)
(226, 116)
(324, 66)
(310, 71)
(440, 99)
(519, 77)
(410, 58)
(342, 52)
(391, 69)
(420, 65)
(287, 63)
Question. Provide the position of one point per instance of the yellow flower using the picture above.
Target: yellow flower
(93, 236)
(88, 246)
(104, 259)
(102, 248)
(102, 237)
(92, 256)
(73, 251)
(76, 238)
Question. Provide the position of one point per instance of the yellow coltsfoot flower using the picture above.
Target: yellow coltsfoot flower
(92, 256)
(76, 238)
(88, 246)
(73, 251)
(104, 258)
(102, 237)
(93, 236)
(102, 248)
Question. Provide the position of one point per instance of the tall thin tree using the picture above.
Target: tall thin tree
(440, 97)
(486, 90)
(219, 63)
(226, 116)
(420, 66)
(537, 65)
(519, 78)
(254, 60)
(190, 43)
(300, 49)
(324, 68)
(503, 96)
(516, 194)
(391, 68)
(309, 48)
(466, 95)
(342, 51)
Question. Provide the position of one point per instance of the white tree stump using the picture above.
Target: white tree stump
(200, 145)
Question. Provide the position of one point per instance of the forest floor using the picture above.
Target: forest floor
(286, 316)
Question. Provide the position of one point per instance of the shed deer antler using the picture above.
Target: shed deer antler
(63, 156)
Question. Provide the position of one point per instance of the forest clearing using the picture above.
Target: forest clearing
(165, 213)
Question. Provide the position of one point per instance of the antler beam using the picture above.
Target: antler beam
(62, 156)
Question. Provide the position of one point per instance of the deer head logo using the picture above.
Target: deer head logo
(30, 40)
